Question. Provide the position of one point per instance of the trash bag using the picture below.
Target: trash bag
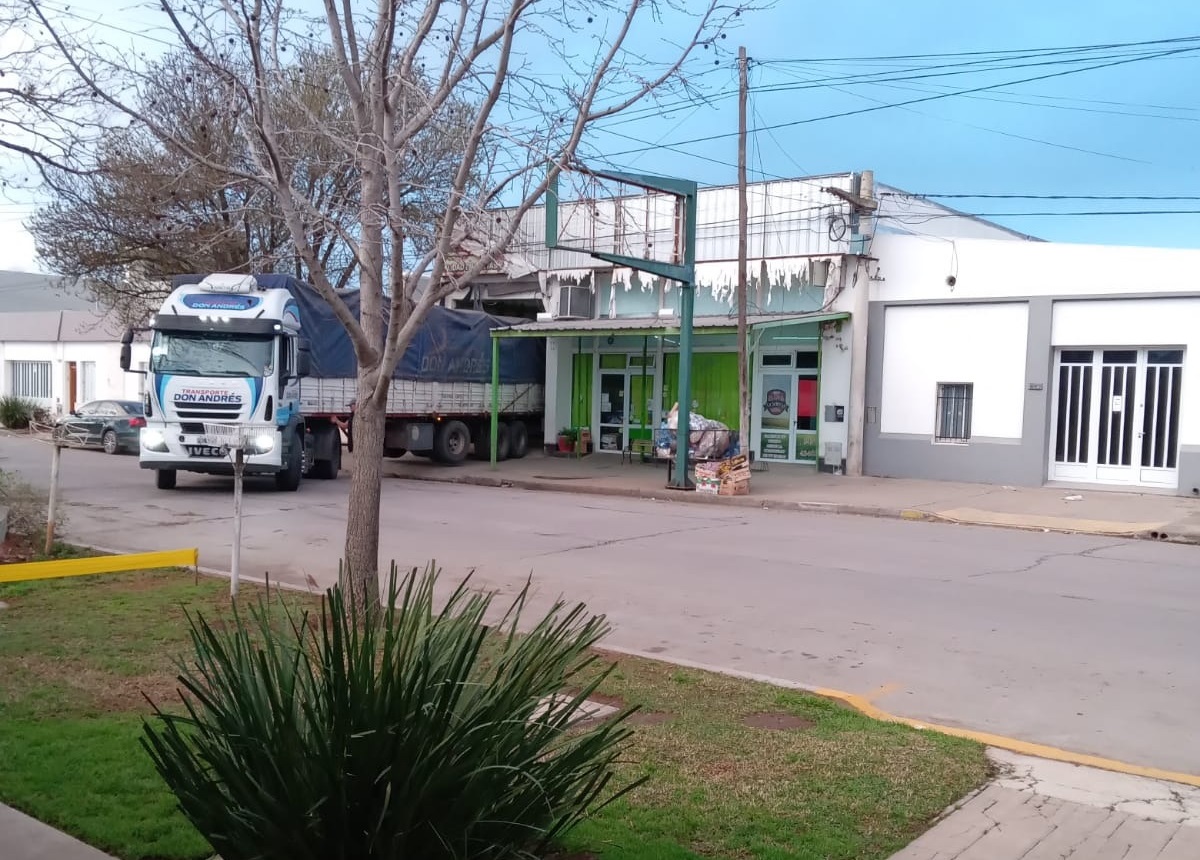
(708, 439)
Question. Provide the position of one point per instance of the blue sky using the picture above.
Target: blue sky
(1132, 129)
(940, 147)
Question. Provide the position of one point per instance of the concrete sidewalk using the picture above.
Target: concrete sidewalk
(787, 487)
(25, 838)
(1044, 810)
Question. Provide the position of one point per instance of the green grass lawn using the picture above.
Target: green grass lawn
(79, 656)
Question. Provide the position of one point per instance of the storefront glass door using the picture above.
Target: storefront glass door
(626, 395)
(786, 411)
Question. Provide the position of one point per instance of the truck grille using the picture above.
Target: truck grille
(214, 411)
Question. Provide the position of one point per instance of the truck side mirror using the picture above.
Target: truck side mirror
(126, 349)
(303, 360)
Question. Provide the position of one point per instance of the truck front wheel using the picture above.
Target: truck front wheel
(288, 479)
(451, 443)
(165, 479)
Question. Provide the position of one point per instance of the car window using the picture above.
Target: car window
(87, 409)
(130, 407)
(111, 410)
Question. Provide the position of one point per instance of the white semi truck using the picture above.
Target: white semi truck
(264, 354)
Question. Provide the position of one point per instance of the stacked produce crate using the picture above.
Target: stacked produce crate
(724, 477)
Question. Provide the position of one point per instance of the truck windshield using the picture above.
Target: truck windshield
(211, 354)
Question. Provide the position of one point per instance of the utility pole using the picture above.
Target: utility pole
(743, 280)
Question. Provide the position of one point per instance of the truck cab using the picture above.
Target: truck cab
(224, 352)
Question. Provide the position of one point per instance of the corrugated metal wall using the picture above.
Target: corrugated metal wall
(787, 218)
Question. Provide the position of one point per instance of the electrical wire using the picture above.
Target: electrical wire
(988, 196)
(935, 97)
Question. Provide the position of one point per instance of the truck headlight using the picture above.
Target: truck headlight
(153, 439)
(263, 443)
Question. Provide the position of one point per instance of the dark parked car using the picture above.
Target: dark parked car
(109, 424)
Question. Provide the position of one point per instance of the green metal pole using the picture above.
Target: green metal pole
(495, 398)
(687, 306)
(644, 409)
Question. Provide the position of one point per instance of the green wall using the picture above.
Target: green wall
(581, 391)
(714, 385)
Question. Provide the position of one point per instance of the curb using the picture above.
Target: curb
(861, 704)
(878, 512)
(666, 495)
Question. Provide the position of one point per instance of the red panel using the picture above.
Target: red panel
(806, 398)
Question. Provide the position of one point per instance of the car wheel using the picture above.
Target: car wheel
(110, 442)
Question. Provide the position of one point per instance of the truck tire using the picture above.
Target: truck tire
(287, 480)
(483, 442)
(327, 470)
(518, 440)
(165, 479)
(451, 443)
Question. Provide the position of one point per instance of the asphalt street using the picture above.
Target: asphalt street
(1085, 643)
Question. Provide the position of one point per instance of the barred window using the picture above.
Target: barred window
(30, 379)
(954, 411)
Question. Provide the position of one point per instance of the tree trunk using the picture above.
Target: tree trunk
(360, 577)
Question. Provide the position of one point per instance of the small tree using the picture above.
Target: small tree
(398, 69)
(390, 733)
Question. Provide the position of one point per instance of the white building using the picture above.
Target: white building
(1034, 362)
(58, 352)
(933, 344)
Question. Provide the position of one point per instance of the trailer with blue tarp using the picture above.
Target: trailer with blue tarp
(268, 352)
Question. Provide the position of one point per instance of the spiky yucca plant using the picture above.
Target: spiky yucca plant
(396, 732)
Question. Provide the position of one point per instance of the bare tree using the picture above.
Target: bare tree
(536, 75)
(146, 211)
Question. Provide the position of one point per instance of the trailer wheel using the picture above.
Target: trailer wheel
(451, 443)
(483, 442)
(518, 440)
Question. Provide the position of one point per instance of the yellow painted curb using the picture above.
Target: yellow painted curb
(974, 516)
(100, 564)
(864, 706)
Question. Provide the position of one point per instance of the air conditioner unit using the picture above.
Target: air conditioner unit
(574, 302)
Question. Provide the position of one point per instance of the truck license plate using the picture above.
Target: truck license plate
(205, 451)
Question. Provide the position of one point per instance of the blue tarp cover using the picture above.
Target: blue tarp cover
(450, 346)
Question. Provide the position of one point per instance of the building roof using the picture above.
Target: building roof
(657, 325)
(58, 327)
(25, 292)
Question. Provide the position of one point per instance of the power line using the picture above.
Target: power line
(1146, 197)
(944, 55)
(930, 98)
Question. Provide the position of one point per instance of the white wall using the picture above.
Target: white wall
(835, 385)
(980, 344)
(915, 268)
(1140, 323)
(110, 381)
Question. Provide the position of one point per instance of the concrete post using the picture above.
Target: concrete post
(860, 285)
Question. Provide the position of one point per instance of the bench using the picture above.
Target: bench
(642, 447)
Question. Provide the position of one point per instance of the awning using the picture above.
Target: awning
(660, 326)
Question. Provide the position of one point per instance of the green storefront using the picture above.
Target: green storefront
(619, 378)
